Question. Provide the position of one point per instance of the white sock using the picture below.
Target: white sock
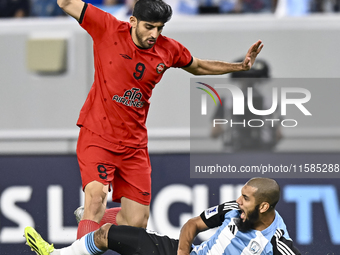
(83, 246)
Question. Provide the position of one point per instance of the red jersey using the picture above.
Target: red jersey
(118, 102)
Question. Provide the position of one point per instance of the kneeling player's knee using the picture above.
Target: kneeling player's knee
(101, 236)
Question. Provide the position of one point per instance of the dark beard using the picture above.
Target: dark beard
(143, 44)
(249, 223)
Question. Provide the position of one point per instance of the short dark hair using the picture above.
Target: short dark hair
(268, 190)
(152, 11)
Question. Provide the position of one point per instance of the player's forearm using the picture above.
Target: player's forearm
(213, 67)
(188, 233)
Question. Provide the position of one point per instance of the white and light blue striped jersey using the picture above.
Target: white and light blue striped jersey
(228, 240)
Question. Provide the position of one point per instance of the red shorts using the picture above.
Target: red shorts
(126, 169)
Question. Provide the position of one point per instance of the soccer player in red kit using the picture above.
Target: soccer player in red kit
(130, 59)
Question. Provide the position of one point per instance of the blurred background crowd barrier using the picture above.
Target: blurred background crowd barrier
(49, 8)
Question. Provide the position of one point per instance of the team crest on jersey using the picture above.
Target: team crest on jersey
(211, 212)
(254, 247)
(160, 68)
(132, 97)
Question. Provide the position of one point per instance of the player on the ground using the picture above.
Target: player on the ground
(251, 225)
(130, 59)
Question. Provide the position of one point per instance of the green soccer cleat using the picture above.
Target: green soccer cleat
(37, 244)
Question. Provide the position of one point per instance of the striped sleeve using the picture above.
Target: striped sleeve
(214, 216)
(283, 246)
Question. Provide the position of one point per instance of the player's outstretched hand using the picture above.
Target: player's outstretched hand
(252, 53)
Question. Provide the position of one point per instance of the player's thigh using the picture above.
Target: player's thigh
(96, 162)
(134, 177)
(162, 244)
(129, 240)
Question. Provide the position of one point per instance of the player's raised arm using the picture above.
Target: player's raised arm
(72, 7)
(188, 233)
(213, 67)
